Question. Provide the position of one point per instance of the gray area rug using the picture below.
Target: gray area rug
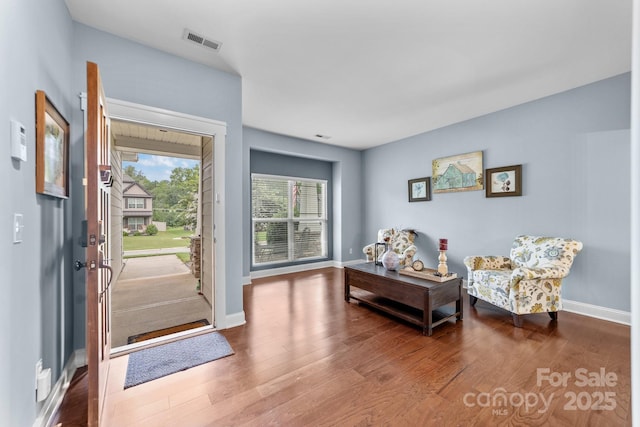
(155, 362)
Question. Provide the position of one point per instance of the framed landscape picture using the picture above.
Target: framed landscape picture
(52, 149)
(504, 182)
(420, 189)
(462, 172)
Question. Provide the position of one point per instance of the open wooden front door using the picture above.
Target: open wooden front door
(98, 273)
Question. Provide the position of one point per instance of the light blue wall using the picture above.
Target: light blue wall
(35, 47)
(574, 150)
(573, 146)
(142, 75)
(347, 185)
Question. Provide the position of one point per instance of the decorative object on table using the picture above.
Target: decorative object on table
(458, 173)
(417, 265)
(420, 189)
(380, 248)
(504, 182)
(390, 259)
(528, 281)
(401, 241)
(428, 274)
(52, 149)
(442, 265)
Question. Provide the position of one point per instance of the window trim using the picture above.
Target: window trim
(290, 220)
(138, 227)
(142, 199)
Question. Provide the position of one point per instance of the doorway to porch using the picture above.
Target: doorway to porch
(160, 293)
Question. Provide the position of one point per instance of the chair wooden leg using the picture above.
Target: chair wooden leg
(517, 320)
(472, 300)
(553, 315)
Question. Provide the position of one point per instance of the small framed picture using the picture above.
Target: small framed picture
(504, 182)
(420, 189)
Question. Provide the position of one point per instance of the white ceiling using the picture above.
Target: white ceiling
(368, 72)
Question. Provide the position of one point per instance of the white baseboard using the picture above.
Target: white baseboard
(303, 267)
(235, 319)
(53, 402)
(80, 357)
(291, 269)
(590, 310)
(603, 313)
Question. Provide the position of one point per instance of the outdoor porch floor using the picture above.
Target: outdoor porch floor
(154, 293)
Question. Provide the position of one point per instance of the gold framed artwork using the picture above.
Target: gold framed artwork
(52, 149)
(504, 182)
(462, 172)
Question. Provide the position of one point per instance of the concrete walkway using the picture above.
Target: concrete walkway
(159, 251)
(152, 266)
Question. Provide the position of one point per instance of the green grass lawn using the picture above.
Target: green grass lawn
(172, 238)
(184, 257)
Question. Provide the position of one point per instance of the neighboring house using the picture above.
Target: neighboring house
(137, 209)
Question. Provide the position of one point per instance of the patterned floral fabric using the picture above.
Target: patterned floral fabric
(527, 282)
(401, 241)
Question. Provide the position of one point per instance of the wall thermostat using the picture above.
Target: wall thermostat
(18, 141)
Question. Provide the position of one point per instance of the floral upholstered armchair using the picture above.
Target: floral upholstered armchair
(528, 281)
(401, 241)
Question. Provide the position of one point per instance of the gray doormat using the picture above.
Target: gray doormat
(156, 362)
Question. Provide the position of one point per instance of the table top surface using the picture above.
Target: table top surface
(378, 270)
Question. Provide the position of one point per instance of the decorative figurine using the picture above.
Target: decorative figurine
(442, 266)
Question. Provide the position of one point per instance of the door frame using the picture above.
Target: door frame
(132, 112)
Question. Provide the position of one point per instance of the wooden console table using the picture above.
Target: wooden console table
(408, 298)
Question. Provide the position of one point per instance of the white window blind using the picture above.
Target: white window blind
(289, 219)
(135, 203)
(135, 223)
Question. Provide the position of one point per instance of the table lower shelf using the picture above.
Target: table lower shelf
(402, 311)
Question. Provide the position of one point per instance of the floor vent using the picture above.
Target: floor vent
(202, 41)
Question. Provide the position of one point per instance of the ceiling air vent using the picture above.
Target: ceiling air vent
(202, 41)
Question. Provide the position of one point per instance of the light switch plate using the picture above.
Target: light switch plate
(18, 226)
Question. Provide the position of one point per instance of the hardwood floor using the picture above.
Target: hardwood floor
(306, 357)
(73, 411)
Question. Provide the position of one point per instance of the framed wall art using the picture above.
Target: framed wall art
(52, 149)
(504, 182)
(420, 189)
(462, 172)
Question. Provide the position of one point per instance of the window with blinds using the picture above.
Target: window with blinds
(135, 223)
(135, 203)
(289, 219)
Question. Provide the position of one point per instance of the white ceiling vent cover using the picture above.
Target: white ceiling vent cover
(201, 40)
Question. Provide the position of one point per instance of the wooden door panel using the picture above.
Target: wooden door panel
(98, 273)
